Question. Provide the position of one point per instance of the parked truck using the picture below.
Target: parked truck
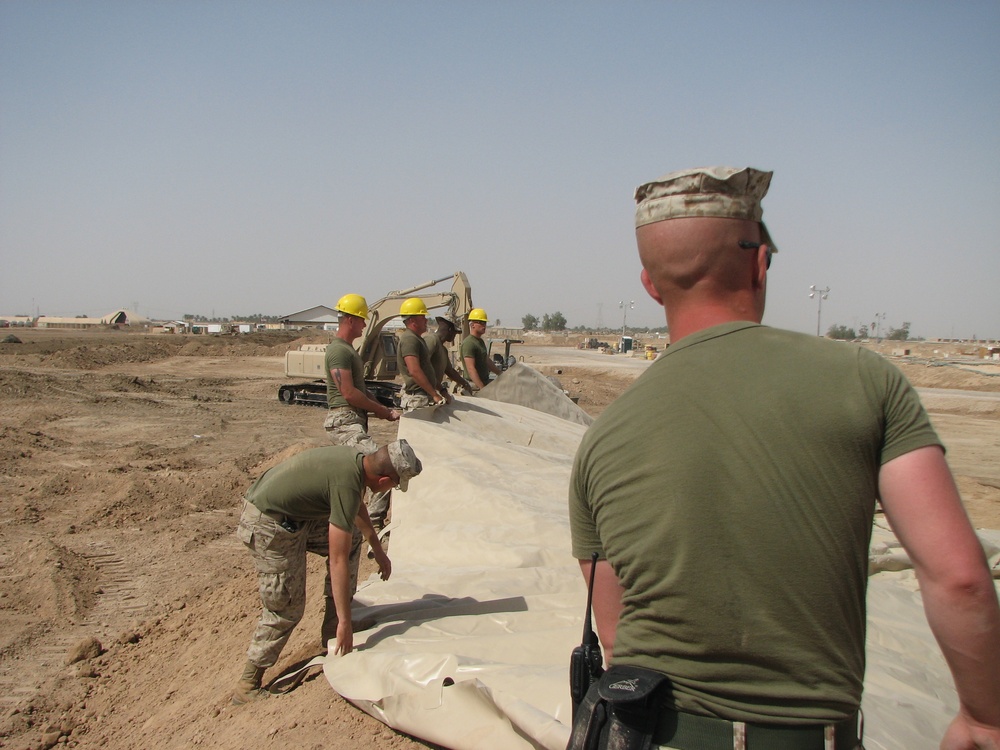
(377, 345)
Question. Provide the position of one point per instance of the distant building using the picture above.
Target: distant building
(117, 319)
(314, 317)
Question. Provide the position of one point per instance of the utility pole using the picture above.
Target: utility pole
(625, 307)
(877, 325)
(820, 295)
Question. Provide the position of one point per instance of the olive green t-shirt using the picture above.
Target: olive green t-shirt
(411, 345)
(475, 347)
(318, 483)
(732, 488)
(341, 356)
(439, 356)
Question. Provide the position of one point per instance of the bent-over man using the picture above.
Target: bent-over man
(311, 503)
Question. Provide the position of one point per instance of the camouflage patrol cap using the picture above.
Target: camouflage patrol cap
(721, 192)
(404, 461)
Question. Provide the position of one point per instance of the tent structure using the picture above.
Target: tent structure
(313, 316)
(467, 645)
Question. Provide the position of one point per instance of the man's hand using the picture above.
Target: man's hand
(965, 734)
(383, 562)
(394, 415)
(345, 638)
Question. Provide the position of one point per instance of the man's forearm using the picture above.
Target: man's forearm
(356, 397)
(966, 622)
(456, 376)
(340, 585)
(364, 522)
(925, 511)
(470, 366)
(360, 400)
(417, 373)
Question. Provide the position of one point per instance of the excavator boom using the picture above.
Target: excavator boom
(377, 346)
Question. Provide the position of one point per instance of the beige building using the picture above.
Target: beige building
(117, 319)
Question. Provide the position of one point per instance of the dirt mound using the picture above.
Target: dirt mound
(123, 460)
(950, 375)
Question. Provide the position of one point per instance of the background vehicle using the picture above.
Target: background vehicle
(506, 360)
(377, 345)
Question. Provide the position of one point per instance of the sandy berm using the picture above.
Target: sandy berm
(126, 602)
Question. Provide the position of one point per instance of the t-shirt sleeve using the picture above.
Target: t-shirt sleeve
(344, 504)
(907, 426)
(339, 358)
(409, 346)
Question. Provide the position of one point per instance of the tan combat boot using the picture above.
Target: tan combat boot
(248, 688)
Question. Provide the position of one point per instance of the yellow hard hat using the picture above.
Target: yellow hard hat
(413, 306)
(353, 304)
(478, 313)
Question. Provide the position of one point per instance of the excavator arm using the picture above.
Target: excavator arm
(377, 346)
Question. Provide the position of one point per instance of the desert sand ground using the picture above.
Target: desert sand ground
(122, 460)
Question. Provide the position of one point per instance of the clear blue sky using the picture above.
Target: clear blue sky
(244, 157)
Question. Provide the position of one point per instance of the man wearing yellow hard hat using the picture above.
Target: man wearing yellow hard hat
(414, 360)
(349, 405)
(475, 355)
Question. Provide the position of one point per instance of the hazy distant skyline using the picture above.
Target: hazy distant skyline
(265, 157)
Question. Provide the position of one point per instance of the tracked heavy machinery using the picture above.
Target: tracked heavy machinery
(377, 345)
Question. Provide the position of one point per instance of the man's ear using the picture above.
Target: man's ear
(384, 484)
(763, 263)
(647, 284)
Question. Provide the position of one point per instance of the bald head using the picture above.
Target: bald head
(698, 254)
(695, 267)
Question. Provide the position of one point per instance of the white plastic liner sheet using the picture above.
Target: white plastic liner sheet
(467, 645)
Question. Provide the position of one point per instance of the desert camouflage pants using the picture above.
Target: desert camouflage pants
(411, 401)
(279, 556)
(345, 426)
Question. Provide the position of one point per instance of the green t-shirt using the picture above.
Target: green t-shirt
(475, 347)
(732, 488)
(341, 356)
(438, 353)
(318, 483)
(411, 345)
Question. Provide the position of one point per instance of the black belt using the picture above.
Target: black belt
(692, 732)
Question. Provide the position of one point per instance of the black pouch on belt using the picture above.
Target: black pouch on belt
(621, 710)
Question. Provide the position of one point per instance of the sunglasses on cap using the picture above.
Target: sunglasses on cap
(747, 245)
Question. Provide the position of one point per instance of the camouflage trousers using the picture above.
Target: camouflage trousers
(345, 426)
(411, 401)
(279, 556)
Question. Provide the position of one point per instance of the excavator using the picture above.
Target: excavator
(377, 346)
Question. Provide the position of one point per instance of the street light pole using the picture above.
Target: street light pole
(820, 295)
(625, 307)
(877, 325)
